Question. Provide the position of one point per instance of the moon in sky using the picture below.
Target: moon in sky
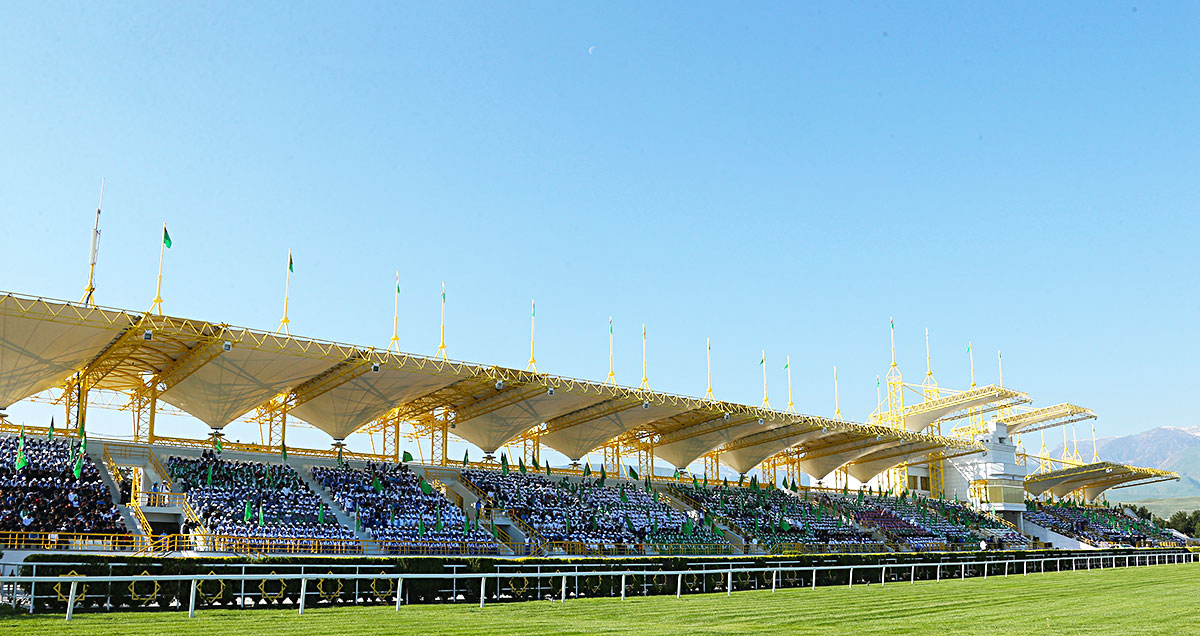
(591, 49)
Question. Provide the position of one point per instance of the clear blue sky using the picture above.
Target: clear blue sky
(780, 176)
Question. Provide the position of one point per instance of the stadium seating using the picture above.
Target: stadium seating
(253, 499)
(584, 511)
(401, 509)
(770, 516)
(1096, 526)
(45, 495)
(919, 523)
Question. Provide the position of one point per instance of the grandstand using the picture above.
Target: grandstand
(892, 488)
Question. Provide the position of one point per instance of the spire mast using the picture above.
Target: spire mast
(788, 366)
(287, 288)
(532, 366)
(837, 407)
(441, 350)
(91, 286)
(708, 357)
(645, 378)
(763, 363)
(612, 378)
(395, 343)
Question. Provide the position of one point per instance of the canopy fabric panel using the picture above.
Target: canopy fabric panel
(683, 452)
(347, 407)
(920, 416)
(491, 430)
(577, 441)
(750, 455)
(43, 342)
(820, 467)
(240, 379)
(886, 457)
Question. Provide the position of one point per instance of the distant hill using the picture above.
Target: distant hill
(1166, 447)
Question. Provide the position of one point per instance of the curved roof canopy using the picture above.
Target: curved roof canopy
(1094, 479)
(218, 373)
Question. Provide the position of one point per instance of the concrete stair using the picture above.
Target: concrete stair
(95, 452)
(342, 516)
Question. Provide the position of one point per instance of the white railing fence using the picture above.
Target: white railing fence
(490, 584)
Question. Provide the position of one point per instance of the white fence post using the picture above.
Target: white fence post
(192, 601)
(70, 601)
(564, 590)
(482, 590)
(729, 584)
(303, 594)
(774, 576)
(679, 586)
(399, 592)
(622, 587)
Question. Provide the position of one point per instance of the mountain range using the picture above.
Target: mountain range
(1166, 447)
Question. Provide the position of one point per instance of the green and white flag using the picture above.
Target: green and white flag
(426, 487)
(166, 237)
(632, 473)
(406, 458)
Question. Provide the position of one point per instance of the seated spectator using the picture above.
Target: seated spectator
(45, 495)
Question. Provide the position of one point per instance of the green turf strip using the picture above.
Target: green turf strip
(1128, 602)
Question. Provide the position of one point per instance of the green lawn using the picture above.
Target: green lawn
(1128, 602)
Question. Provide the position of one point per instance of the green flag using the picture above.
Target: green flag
(438, 526)
(624, 499)
(407, 457)
(466, 458)
(676, 475)
(217, 442)
(687, 527)
(341, 462)
(695, 484)
(426, 487)
(321, 515)
(249, 513)
(207, 481)
(603, 474)
(503, 464)
(633, 474)
(260, 514)
(521, 464)
(22, 460)
(494, 532)
(82, 441)
(587, 469)
(50, 431)
(421, 526)
(283, 451)
(375, 482)
(166, 237)
(290, 268)
(466, 526)
(547, 468)
(629, 524)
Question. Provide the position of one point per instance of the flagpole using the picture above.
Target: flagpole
(612, 379)
(708, 357)
(837, 408)
(1000, 365)
(972, 355)
(91, 286)
(763, 363)
(441, 350)
(645, 379)
(396, 318)
(287, 289)
(162, 248)
(532, 366)
(788, 365)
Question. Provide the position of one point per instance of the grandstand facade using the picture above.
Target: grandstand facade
(942, 473)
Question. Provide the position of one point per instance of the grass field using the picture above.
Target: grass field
(1129, 602)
